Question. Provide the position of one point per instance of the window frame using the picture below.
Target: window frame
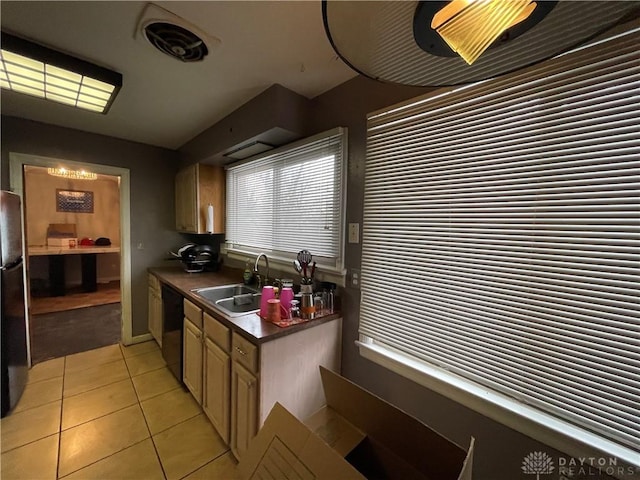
(328, 268)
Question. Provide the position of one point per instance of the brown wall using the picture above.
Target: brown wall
(152, 173)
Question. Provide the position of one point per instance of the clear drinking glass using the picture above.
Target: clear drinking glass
(318, 303)
(330, 304)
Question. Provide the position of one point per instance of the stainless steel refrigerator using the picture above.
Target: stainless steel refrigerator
(14, 352)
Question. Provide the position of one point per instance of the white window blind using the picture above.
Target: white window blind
(289, 200)
(501, 237)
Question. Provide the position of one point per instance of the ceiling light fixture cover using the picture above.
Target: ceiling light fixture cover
(33, 69)
(394, 42)
(470, 27)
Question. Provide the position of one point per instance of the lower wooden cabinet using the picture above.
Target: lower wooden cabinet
(244, 408)
(192, 359)
(216, 387)
(237, 382)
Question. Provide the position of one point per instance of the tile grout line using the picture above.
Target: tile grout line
(146, 422)
(64, 370)
(138, 401)
(203, 466)
(101, 459)
(70, 396)
(130, 378)
(97, 418)
(63, 401)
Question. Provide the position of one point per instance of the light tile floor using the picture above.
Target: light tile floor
(111, 413)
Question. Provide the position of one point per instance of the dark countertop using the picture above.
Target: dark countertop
(250, 326)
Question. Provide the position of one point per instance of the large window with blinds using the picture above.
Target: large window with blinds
(501, 236)
(290, 199)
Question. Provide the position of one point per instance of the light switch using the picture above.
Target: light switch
(354, 233)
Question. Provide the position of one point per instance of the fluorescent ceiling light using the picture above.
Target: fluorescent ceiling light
(470, 26)
(30, 68)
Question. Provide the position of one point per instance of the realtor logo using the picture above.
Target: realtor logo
(537, 463)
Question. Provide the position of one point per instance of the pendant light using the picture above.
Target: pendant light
(439, 43)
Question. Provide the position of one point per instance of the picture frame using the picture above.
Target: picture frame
(74, 201)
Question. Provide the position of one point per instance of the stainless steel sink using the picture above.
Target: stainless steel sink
(231, 300)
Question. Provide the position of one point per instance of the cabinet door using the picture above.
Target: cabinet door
(192, 359)
(155, 315)
(211, 190)
(187, 199)
(244, 409)
(216, 388)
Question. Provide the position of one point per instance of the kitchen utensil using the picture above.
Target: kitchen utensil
(304, 257)
(297, 266)
(313, 269)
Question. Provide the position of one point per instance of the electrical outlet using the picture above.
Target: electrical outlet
(355, 278)
(354, 233)
(140, 246)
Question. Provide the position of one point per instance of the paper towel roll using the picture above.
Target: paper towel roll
(210, 218)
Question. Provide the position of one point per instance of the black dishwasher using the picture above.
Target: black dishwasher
(173, 313)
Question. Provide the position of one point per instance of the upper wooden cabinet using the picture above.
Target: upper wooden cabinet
(197, 186)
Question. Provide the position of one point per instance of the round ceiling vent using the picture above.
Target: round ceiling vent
(176, 41)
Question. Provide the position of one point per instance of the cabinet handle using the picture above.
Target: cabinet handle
(240, 351)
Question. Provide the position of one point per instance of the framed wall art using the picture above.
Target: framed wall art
(74, 201)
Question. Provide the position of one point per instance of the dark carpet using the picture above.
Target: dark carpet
(58, 334)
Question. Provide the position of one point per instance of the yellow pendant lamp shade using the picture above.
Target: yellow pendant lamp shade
(469, 27)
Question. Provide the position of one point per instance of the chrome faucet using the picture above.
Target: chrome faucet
(255, 270)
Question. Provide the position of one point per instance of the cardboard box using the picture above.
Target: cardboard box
(356, 435)
(62, 235)
(62, 242)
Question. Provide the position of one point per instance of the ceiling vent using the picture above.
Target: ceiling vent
(173, 35)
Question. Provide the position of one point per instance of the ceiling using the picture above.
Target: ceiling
(163, 101)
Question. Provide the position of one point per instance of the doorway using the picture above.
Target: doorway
(18, 163)
(74, 284)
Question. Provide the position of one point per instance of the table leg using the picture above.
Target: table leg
(56, 275)
(89, 272)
